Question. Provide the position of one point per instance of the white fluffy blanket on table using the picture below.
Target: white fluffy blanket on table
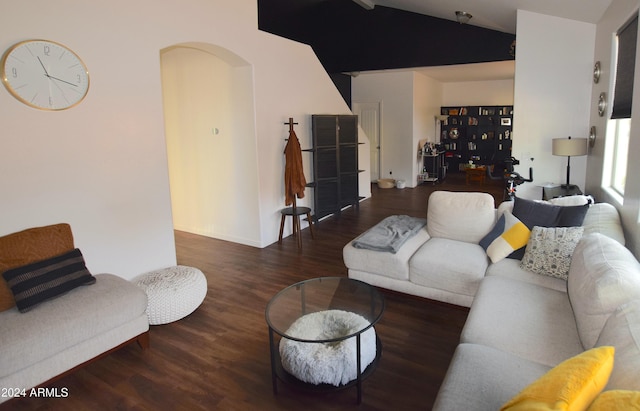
(327, 363)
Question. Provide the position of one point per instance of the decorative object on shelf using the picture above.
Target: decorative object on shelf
(592, 136)
(463, 17)
(481, 131)
(570, 148)
(44, 74)
(596, 72)
(602, 104)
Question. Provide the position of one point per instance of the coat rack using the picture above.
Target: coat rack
(295, 184)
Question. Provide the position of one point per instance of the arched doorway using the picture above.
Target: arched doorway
(211, 142)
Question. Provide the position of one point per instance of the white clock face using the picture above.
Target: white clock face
(45, 75)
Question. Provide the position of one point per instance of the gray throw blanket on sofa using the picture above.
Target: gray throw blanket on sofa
(390, 233)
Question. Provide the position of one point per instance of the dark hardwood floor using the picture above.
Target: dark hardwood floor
(218, 357)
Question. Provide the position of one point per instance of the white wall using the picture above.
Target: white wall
(395, 92)
(478, 93)
(102, 165)
(615, 17)
(551, 97)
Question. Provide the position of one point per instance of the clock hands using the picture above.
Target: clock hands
(64, 81)
(54, 78)
(43, 67)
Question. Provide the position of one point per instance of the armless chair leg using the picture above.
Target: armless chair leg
(281, 228)
(310, 225)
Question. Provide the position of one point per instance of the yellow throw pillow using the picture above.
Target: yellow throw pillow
(514, 235)
(615, 400)
(571, 385)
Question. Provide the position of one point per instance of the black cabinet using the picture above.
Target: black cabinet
(482, 134)
(335, 163)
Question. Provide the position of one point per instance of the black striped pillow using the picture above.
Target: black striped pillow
(35, 283)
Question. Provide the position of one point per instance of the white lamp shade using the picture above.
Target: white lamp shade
(569, 147)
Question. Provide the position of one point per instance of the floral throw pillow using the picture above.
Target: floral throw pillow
(549, 250)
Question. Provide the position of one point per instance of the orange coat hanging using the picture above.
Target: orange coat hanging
(294, 181)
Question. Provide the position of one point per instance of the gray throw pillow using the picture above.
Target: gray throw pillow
(43, 280)
(549, 250)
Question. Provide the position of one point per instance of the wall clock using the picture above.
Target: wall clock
(44, 74)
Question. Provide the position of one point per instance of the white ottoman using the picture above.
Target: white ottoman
(172, 293)
(332, 363)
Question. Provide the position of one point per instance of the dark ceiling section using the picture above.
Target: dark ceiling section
(347, 38)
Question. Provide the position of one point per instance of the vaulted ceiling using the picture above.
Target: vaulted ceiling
(390, 34)
(348, 38)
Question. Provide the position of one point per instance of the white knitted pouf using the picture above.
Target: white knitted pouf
(172, 293)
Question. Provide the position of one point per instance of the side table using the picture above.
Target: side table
(559, 191)
(476, 174)
(322, 296)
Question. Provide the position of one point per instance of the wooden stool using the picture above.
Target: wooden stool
(295, 212)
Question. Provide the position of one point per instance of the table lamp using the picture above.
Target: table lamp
(569, 147)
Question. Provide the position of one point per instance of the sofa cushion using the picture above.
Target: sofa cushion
(535, 213)
(460, 216)
(571, 385)
(603, 218)
(482, 378)
(533, 322)
(37, 282)
(510, 268)
(600, 218)
(549, 250)
(384, 263)
(616, 400)
(28, 246)
(622, 330)
(80, 314)
(449, 265)
(603, 276)
(508, 235)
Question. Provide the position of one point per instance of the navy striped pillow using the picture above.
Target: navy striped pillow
(35, 283)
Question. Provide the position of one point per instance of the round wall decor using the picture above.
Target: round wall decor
(44, 74)
(602, 104)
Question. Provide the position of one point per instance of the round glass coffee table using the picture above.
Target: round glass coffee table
(318, 319)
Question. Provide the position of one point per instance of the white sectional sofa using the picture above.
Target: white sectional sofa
(521, 324)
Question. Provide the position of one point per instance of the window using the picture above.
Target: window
(620, 154)
(619, 127)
